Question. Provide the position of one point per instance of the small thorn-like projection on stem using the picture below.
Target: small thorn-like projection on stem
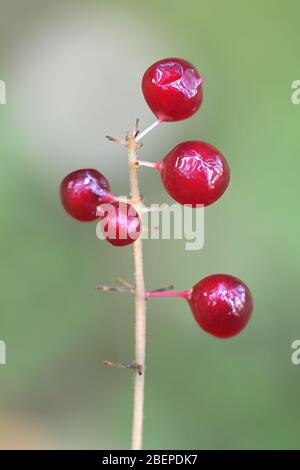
(142, 134)
(123, 365)
(124, 283)
(127, 288)
(162, 289)
(135, 130)
(111, 138)
(121, 289)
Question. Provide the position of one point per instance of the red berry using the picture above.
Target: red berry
(221, 305)
(194, 173)
(172, 89)
(82, 191)
(120, 223)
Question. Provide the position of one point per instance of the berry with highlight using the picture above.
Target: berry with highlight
(172, 89)
(82, 191)
(194, 173)
(221, 304)
(120, 223)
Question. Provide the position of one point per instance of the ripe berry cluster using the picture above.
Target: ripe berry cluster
(193, 172)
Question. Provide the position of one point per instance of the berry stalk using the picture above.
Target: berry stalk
(140, 303)
(185, 294)
(146, 131)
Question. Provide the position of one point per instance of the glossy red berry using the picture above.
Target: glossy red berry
(172, 89)
(221, 305)
(120, 223)
(82, 191)
(194, 173)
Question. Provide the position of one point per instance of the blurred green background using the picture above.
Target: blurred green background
(73, 72)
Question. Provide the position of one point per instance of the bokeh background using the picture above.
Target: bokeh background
(73, 72)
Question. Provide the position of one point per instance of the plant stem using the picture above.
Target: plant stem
(140, 303)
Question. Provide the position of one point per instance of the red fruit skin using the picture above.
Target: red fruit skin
(82, 191)
(194, 173)
(120, 224)
(221, 305)
(172, 89)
